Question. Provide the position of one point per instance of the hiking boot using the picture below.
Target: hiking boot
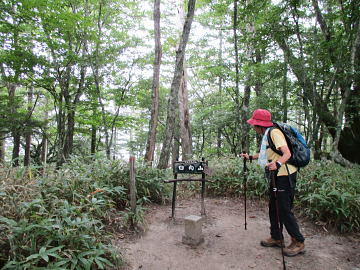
(270, 242)
(294, 248)
(292, 244)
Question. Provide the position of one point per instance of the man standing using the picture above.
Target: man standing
(285, 181)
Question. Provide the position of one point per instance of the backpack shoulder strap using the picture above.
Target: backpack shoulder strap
(271, 143)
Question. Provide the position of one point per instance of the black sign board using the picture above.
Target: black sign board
(191, 166)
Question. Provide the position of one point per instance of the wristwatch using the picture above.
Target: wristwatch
(278, 164)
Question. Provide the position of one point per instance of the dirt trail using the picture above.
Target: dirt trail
(227, 244)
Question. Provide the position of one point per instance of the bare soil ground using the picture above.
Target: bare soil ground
(227, 244)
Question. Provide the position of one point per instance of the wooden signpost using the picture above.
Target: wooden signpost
(189, 167)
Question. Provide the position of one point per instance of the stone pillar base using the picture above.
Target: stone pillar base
(193, 231)
(192, 242)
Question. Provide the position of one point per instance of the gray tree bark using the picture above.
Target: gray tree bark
(175, 85)
(15, 128)
(237, 81)
(2, 147)
(151, 141)
(185, 128)
(220, 86)
(28, 131)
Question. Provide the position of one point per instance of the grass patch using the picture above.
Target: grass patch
(65, 219)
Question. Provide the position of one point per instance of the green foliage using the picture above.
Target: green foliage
(64, 220)
(131, 218)
(330, 193)
(229, 179)
(149, 181)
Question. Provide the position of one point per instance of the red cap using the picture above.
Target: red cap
(261, 117)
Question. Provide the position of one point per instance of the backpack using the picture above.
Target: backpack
(300, 152)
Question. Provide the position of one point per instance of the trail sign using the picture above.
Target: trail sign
(190, 166)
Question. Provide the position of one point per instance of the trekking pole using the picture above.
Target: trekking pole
(275, 190)
(245, 187)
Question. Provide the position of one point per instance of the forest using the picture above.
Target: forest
(84, 84)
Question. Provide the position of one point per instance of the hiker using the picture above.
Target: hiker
(285, 184)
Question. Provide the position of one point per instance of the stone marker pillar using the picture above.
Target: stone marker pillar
(193, 231)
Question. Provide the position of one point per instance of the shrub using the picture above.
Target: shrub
(228, 177)
(61, 219)
(330, 193)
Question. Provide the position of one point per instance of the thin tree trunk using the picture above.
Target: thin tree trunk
(16, 148)
(173, 99)
(44, 150)
(220, 81)
(318, 143)
(69, 137)
(71, 107)
(151, 141)
(175, 156)
(44, 141)
(28, 131)
(63, 105)
(15, 128)
(2, 147)
(245, 128)
(115, 144)
(237, 79)
(284, 92)
(93, 140)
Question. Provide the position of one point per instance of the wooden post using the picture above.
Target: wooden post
(203, 192)
(132, 188)
(174, 197)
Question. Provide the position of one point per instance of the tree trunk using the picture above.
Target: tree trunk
(185, 129)
(60, 134)
(71, 109)
(27, 149)
(63, 105)
(69, 137)
(93, 140)
(220, 81)
(44, 150)
(175, 85)
(237, 80)
(151, 141)
(2, 147)
(44, 141)
(349, 141)
(175, 156)
(245, 128)
(28, 131)
(284, 93)
(15, 126)
(16, 148)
